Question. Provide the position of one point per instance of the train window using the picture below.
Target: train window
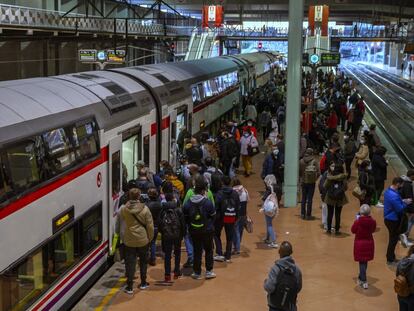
(59, 150)
(24, 161)
(207, 89)
(5, 189)
(85, 138)
(146, 149)
(27, 280)
(116, 173)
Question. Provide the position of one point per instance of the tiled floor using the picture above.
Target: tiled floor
(329, 272)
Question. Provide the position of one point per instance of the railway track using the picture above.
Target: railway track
(391, 106)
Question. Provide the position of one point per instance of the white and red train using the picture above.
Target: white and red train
(63, 142)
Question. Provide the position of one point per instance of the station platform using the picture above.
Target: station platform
(329, 271)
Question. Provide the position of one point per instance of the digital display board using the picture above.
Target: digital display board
(87, 55)
(63, 219)
(117, 57)
(330, 59)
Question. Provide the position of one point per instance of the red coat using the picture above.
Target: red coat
(332, 122)
(364, 245)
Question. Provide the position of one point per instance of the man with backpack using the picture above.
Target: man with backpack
(284, 281)
(227, 208)
(172, 228)
(199, 213)
(309, 173)
(404, 282)
(142, 182)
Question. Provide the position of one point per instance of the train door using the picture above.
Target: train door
(178, 124)
(131, 153)
(115, 182)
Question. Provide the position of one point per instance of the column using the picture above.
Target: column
(294, 85)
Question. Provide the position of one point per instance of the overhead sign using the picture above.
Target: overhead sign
(211, 13)
(117, 56)
(87, 55)
(314, 59)
(330, 59)
(101, 56)
(318, 13)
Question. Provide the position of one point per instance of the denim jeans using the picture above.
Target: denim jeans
(270, 234)
(238, 232)
(153, 245)
(168, 246)
(189, 247)
(406, 303)
(131, 254)
(308, 191)
(363, 266)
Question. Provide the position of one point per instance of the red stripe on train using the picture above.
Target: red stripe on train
(71, 275)
(165, 123)
(33, 196)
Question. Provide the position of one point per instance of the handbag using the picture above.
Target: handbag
(359, 193)
(252, 151)
(248, 225)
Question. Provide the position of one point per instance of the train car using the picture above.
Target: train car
(67, 144)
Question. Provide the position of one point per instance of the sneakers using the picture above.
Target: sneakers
(167, 278)
(210, 275)
(128, 290)
(177, 275)
(144, 286)
(365, 285)
(196, 276)
(219, 258)
(188, 264)
(404, 240)
(362, 284)
(273, 245)
(266, 240)
(380, 205)
(228, 260)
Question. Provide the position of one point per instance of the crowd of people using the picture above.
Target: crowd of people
(203, 196)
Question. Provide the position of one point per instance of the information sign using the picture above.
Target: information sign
(314, 59)
(117, 57)
(330, 59)
(87, 55)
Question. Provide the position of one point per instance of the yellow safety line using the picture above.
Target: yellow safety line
(111, 293)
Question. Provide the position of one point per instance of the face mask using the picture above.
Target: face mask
(246, 134)
(362, 141)
(249, 124)
(332, 167)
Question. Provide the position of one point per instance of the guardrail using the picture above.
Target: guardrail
(16, 16)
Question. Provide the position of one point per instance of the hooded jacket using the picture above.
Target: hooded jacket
(224, 193)
(364, 246)
(407, 192)
(305, 161)
(245, 141)
(177, 184)
(207, 209)
(331, 179)
(137, 233)
(271, 281)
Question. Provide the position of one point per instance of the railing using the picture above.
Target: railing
(17, 16)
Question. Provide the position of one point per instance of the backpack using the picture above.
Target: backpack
(286, 291)
(198, 221)
(401, 286)
(310, 174)
(171, 225)
(336, 191)
(270, 205)
(229, 208)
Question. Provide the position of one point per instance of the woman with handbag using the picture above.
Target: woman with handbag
(249, 147)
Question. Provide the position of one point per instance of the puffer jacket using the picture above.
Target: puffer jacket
(364, 246)
(177, 184)
(331, 179)
(137, 233)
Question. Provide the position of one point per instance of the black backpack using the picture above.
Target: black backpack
(336, 191)
(198, 221)
(229, 208)
(171, 225)
(286, 291)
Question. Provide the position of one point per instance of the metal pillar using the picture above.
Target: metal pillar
(294, 84)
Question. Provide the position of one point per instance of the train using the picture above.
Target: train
(66, 143)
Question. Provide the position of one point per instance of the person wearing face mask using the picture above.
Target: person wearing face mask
(366, 182)
(250, 126)
(363, 152)
(335, 197)
(247, 140)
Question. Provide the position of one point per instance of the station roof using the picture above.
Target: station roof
(277, 10)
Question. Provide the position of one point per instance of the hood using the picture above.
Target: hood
(342, 176)
(169, 205)
(309, 151)
(308, 158)
(197, 198)
(227, 189)
(286, 262)
(406, 178)
(134, 207)
(172, 177)
(239, 189)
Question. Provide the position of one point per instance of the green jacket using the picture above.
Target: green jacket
(190, 193)
(330, 179)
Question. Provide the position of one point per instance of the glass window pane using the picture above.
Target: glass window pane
(23, 162)
(92, 229)
(59, 151)
(85, 140)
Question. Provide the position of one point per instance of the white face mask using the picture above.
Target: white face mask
(332, 167)
(249, 124)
